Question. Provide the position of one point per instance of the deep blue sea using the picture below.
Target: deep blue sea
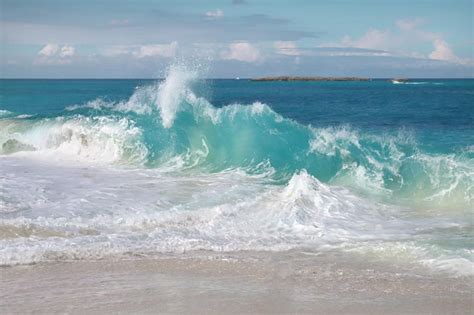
(98, 168)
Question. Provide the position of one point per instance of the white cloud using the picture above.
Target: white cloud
(407, 34)
(49, 50)
(373, 39)
(442, 51)
(286, 48)
(218, 13)
(67, 51)
(163, 50)
(53, 54)
(242, 51)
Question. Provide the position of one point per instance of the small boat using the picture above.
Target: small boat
(399, 81)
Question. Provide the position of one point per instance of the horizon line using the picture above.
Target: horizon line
(246, 78)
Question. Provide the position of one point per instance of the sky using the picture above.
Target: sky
(236, 38)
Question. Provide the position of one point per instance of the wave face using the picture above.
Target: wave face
(166, 124)
(285, 184)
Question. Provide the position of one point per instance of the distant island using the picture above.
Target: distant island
(288, 78)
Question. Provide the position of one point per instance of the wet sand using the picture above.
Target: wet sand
(246, 282)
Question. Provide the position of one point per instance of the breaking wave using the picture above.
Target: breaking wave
(166, 125)
(197, 176)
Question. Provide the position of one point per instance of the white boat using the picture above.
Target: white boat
(399, 81)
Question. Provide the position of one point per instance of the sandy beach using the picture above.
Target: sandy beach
(246, 282)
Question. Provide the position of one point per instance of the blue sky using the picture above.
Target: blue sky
(245, 38)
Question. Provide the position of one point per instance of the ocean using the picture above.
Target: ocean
(125, 169)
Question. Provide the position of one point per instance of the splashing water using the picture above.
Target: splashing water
(166, 170)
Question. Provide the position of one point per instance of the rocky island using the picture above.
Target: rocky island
(289, 78)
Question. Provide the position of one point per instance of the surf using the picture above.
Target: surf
(165, 170)
(166, 125)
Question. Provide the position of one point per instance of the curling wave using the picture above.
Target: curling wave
(165, 125)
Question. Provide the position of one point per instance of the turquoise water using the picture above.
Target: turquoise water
(369, 166)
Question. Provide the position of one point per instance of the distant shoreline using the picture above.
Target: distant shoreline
(289, 78)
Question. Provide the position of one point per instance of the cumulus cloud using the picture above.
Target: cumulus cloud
(373, 39)
(215, 14)
(54, 54)
(49, 50)
(288, 48)
(67, 51)
(242, 51)
(406, 34)
(442, 51)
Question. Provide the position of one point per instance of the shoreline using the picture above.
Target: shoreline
(243, 282)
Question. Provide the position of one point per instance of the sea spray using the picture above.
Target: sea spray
(173, 92)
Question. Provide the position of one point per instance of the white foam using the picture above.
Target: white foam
(419, 254)
(90, 139)
(443, 181)
(76, 212)
(210, 207)
(141, 102)
(4, 113)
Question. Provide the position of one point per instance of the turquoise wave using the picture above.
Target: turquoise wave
(166, 126)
